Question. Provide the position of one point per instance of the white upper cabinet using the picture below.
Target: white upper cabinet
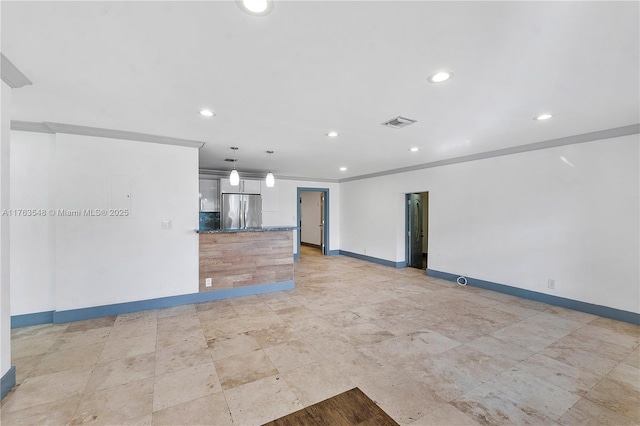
(225, 186)
(209, 195)
(250, 186)
(246, 186)
(270, 197)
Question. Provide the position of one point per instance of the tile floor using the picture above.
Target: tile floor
(427, 351)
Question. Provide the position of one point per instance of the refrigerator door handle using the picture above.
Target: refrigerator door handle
(244, 213)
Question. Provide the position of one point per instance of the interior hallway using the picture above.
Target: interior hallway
(426, 350)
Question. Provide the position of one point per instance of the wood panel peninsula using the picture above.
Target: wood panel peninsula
(247, 261)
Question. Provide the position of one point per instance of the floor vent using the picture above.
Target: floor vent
(399, 122)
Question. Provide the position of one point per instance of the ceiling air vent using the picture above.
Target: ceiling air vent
(399, 122)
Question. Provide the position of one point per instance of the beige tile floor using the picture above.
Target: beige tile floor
(427, 351)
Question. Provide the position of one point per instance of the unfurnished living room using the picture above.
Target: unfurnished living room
(320, 212)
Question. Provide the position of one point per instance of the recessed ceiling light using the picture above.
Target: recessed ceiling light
(343, 169)
(440, 76)
(256, 7)
(207, 113)
(333, 134)
(414, 149)
(542, 117)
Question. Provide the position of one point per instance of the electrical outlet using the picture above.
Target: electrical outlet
(551, 284)
(365, 251)
(207, 282)
(167, 224)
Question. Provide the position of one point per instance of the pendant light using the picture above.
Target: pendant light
(271, 180)
(234, 177)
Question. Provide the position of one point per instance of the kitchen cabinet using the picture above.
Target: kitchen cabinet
(246, 186)
(209, 195)
(270, 197)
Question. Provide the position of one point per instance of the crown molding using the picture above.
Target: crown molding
(49, 127)
(308, 179)
(52, 128)
(616, 132)
(206, 173)
(31, 126)
(11, 74)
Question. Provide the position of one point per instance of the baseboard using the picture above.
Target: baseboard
(36, 318)
(310, 245)
(361, 257)
(374, 259)
(144, 305)
(329, 253)
(576, 305)
(7, 381)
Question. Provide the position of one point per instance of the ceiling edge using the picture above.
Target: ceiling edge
(31, 126)
(308, 179)
(552, 143)
(47, 127)
(11, 74)
(209, 173)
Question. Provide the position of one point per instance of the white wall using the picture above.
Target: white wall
(311, 217)
(5, 316)
(518, 220)
(105, 260)
(33, 237)
(280, 206)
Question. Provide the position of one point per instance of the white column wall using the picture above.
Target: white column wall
(94, 261)
(33, 250)
(105, 260)
(5, 315)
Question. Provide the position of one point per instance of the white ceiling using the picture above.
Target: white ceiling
(282, 81)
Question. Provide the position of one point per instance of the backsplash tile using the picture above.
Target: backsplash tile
(209, 221)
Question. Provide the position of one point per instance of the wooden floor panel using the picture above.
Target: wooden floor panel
(350, 408)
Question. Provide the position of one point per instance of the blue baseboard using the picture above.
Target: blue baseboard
(143, 305)
(590, 308)
(374, 259)
(167, 302)
(329, 253)
(26, 320)
(7, 381)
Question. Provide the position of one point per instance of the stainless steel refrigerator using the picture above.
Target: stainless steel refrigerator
(241, 211)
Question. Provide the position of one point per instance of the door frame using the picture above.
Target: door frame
(407, 225)
(325, 213)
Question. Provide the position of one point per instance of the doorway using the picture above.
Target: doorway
(313, 220)
(417, 230)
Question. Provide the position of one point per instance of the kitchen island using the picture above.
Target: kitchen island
(259, 259)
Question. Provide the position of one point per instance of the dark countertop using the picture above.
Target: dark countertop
(263, 229)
